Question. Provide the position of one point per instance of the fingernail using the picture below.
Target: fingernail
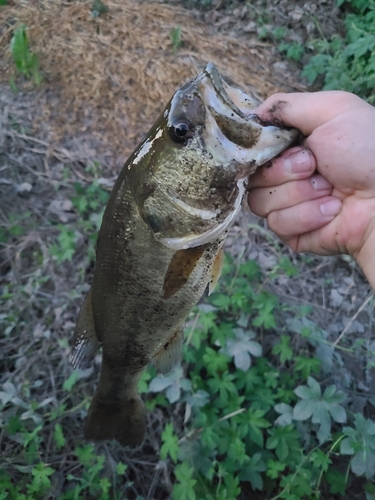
(320, 183)
(298, 163)
(330, 208)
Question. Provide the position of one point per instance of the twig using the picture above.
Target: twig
(350, 322)
(193, 431)
(56, 151)
(233, 414)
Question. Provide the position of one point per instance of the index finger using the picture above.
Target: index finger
(307, 111)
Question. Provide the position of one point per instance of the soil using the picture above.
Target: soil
(105, 80)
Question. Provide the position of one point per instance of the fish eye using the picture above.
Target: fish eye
(181, 131)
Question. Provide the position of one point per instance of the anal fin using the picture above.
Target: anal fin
(170, 354)
(85, 341)
(216, 270)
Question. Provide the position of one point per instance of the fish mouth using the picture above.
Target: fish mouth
(233, 98)
(235, 139)
(232, 131)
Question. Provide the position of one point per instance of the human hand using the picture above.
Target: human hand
(320, 198)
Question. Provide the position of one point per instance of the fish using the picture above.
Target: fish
(160, 245)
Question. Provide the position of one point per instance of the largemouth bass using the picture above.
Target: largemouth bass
(160, 243)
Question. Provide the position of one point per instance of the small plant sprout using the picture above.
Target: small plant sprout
(175, 37)
(25, 60)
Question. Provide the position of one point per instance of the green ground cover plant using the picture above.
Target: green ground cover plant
(348, 63)
(259, 420)
(253, 407)
(341, 62)
(259, 407)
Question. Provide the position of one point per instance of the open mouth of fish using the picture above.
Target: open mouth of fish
(233, 130)
(233, 135)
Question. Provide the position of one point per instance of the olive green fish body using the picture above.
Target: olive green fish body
(160, 242)
(133, 318)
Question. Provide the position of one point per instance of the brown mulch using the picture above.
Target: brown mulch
(108, 77)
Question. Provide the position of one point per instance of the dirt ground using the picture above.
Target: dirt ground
(105, 80)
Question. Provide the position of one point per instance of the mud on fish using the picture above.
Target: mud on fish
(160, 243)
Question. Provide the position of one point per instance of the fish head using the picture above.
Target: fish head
(192, 167)
(233, 133)
(208, 113)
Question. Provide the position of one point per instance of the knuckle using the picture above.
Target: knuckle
(275, 223)
(295, 190)
(278, 96)
(257, 203)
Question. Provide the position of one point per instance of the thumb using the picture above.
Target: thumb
(307, 111)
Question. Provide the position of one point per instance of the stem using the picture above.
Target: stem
(328, 454)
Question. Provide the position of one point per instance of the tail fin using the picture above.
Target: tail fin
(124, 421)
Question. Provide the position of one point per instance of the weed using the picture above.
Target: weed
(175, 37)
(251, 423)
(89, 203)
(25, 60)
(98, 8)
(279, 32)
(263, 33)
(293, 50)
(348, 63)
(65, 248)
(33, 419)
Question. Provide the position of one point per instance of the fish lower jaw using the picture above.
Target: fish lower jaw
(194, 240)
(270, 143)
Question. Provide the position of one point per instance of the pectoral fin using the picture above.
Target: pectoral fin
(85, 341)
(180, 268)
(170, 354)
(217, 268)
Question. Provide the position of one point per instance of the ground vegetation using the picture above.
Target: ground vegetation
(275, 396)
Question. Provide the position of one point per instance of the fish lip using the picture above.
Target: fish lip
(212, 73)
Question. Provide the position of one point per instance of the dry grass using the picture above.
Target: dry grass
(110, 76)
